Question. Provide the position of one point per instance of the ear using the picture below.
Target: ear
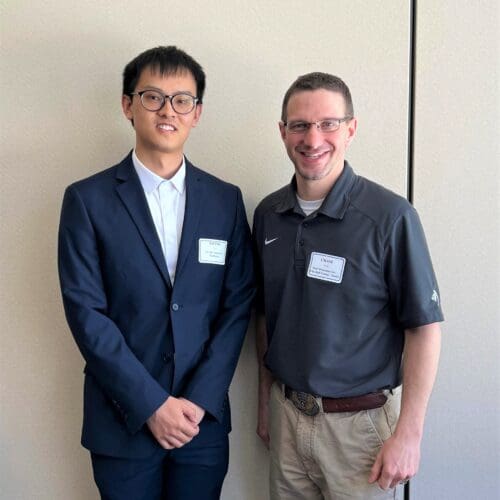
(282, 130)
(197, 114)
(127, 107)
(351, 130)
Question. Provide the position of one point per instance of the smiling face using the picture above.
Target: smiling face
(164, 132)
(318, 157)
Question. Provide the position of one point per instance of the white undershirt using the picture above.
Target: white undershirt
(308, 207)
(167, 203)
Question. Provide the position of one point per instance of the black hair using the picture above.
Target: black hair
(167, 60)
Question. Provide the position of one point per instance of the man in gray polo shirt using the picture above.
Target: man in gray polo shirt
(346, 285)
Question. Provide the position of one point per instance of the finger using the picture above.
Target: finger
(191, 417)
(264, 436)
(165, 444)
(188, 409)
(173, 443)
(178, 439)
(191, 429)
(399, 478)
(190, 413)
(386, 479)
(183, 426)
(186, 431)
(395, 483)
(376, 469)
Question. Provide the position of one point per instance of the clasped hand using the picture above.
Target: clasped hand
(176, 422)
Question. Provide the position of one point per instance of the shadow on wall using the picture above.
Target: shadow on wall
(249, 459)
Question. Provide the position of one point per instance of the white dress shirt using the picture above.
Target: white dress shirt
(167, 203)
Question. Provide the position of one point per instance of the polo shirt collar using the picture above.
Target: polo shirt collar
(337, 200)
(335, 203)
(289, 199)
(150, 181)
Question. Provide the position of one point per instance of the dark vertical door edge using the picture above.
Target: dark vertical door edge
(411, 127)
(411, 100)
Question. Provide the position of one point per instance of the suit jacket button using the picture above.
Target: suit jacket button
(175, 307)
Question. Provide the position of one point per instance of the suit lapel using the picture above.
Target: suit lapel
(194, 205)
(132, 195)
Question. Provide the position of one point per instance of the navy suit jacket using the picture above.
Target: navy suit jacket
(141, 338)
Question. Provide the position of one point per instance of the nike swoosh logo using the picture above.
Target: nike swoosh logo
(266, 241)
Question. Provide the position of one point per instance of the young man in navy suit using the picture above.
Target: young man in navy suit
(156, 276)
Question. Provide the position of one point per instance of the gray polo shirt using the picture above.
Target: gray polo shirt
(340, 286)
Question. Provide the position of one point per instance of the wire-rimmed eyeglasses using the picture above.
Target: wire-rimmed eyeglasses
(327, 125)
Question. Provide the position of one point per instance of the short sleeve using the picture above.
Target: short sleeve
(412, 284)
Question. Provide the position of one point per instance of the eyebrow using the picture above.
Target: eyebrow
(151, 87)
(300, 120)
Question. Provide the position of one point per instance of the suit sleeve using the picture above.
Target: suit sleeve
(210, 382)
(121, 376)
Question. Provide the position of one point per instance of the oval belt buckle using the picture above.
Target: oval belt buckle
(305, 402)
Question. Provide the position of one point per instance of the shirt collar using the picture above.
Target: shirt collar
(150, 181)
(336, 201)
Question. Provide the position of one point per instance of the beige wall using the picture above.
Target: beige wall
(457, 192)
(60, 94)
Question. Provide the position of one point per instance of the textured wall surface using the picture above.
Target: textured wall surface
(61, 65)
(457, 192)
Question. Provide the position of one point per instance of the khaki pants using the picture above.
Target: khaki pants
(328, 456)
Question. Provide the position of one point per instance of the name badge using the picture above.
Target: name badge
(326, 267)
(212, 251)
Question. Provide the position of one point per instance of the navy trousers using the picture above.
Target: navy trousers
(187, 473)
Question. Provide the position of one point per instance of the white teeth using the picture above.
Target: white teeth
(309, 155)
(164, 126)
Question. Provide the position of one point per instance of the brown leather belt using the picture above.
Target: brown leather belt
(308, 404)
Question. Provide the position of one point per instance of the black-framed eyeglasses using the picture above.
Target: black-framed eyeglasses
(154, 100)
(325, 126)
